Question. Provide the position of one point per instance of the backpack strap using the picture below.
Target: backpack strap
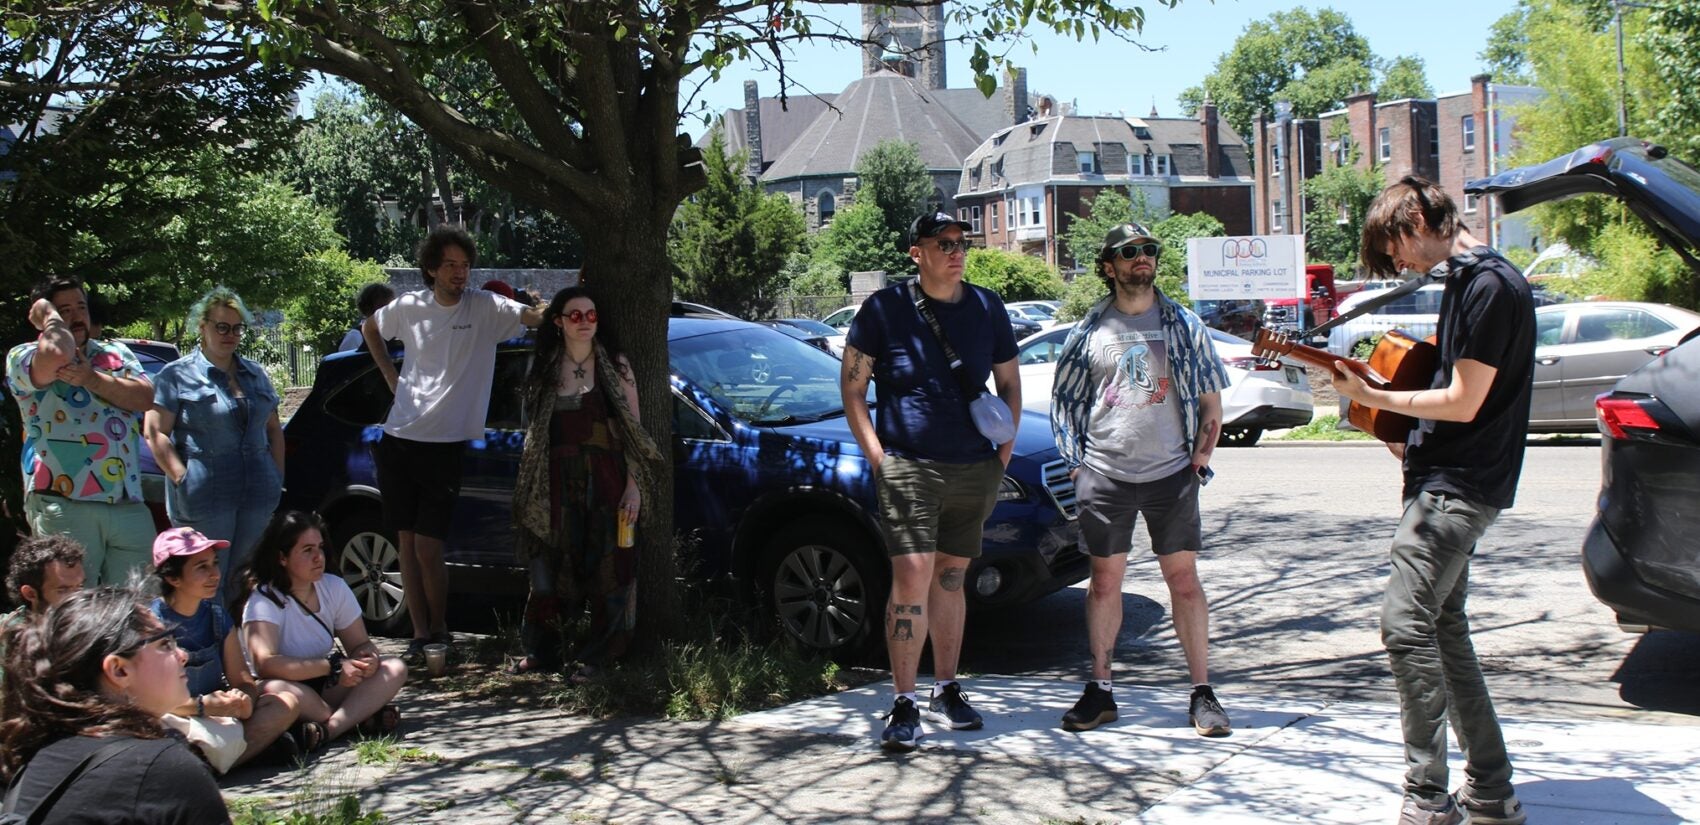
(89, 763)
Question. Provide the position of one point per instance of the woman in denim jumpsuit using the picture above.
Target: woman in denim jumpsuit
(215, 433)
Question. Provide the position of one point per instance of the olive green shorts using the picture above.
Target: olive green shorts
(928, 506)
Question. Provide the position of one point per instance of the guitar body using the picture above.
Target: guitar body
(1407, 364)
(1399, 362)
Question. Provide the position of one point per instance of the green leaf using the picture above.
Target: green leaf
(619, 32)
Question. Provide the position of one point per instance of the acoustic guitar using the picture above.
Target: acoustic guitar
(1399, 362)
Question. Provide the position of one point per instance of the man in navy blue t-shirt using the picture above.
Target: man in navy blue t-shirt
(936, 475)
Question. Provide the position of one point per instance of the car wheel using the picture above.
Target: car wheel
(1240, 437)
(825, 587)
(369, 559)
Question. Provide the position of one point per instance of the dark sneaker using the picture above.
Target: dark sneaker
(1096, 707)
(1207, 714)
(1506, 811)
(1417, 813)
(950, 709)
(903, 726)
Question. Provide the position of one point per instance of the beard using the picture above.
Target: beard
(1136, 281)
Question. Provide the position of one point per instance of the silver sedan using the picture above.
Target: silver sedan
(1582, 349)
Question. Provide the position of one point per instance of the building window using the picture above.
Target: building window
(1434, 140)
(974, 218)
(1469, 202)
(1384, 148)
(1162, 166)
(1136, 164)
(1014, 214)
(825, 206)
(1088, 162)
(1142, 133)
(1469, 126)
(1342, 151)
(1277, 221)
(993, 209)
(1275, 156)
(1033, 216)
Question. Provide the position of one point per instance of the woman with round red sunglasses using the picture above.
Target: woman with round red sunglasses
(585, 464)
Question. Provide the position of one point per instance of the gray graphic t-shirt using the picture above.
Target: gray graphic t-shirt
(1134, 433)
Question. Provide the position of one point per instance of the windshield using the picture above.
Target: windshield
(809, 325)
(762, 376)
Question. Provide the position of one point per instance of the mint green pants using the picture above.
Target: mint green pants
(117, 539)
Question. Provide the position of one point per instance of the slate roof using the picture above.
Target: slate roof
(872, 109)
(780, 125)
(1044, 149)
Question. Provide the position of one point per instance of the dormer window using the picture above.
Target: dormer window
(1141, 133)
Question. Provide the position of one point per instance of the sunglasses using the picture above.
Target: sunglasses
(223, 328)
(950, 247)
(579, 316)
(1134, 250)
(167, 636)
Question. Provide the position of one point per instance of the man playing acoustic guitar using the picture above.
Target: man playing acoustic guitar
(1461, 464)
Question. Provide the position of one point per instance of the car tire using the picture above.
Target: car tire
(368, 557)
(825, 587)
(1240, 437)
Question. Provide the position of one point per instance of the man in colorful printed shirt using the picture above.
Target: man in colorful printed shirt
(1136, 413)
(82, 401)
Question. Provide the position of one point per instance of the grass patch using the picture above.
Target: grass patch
(715, 678)
(385, 750)
(344, 811)
(1325, 428)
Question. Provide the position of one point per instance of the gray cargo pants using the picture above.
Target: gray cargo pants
(1427, 635)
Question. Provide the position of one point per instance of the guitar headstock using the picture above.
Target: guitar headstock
(1269, 344)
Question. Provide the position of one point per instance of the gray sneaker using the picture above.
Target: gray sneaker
(1506, 811)
(1207, 715)
(903, 731)
(949, 708)
(1415, 812)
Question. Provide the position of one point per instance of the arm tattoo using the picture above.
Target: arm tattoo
(858, 363)
(951, 579)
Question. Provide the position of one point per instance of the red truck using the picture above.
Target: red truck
(1320, 300)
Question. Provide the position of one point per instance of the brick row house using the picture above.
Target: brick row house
(1450, 139)
(1022, 187)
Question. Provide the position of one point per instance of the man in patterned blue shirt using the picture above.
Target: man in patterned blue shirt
(1136, 413)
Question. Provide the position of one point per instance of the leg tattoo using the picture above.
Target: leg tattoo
(903, 630)
(951, 579)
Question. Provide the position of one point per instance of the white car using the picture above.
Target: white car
(840, 318)
(1416, 313)
(1260, 395)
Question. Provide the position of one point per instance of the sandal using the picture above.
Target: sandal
(382, 723)
(284, 750)
(309, 736)
(526, 665)
(415, 651)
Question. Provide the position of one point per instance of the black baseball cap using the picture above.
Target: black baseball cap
(932, 223)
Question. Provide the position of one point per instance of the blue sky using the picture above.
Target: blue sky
(1113, 77)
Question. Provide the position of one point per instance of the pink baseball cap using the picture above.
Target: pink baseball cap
(182, 541)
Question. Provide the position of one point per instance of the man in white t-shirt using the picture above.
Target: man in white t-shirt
(442, 394)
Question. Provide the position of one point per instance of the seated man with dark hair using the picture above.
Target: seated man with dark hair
(44, 571)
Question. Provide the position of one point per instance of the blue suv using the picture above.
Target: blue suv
(770, 489)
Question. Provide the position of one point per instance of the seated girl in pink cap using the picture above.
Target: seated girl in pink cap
(220, 686)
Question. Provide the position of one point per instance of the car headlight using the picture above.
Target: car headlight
(1011, 490)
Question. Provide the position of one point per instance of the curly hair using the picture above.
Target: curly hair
(373, 297)
(30, 560)
(267, 576)
(430, 252)
(53, 674)
(218, 296)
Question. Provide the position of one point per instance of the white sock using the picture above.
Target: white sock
(910, 695)
(1103, 684)
(938, 687)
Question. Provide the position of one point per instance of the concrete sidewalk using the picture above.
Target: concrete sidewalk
(1291, 758)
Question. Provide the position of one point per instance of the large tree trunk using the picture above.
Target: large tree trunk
(445, 190)
(631, 277)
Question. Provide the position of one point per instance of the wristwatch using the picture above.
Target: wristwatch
(335, 676)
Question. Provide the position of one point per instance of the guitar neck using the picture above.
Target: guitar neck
(1323, 359)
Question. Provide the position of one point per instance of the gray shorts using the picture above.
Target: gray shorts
(1109, 508)
(934, 506)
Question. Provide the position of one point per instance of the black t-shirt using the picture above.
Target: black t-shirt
(154, 782)
(1487, 314)
(922, 413)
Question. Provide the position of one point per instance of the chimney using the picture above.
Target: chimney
(932, 44)
(752, 128)
(1015, 96)
(1212, 141)
(1360, 121)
